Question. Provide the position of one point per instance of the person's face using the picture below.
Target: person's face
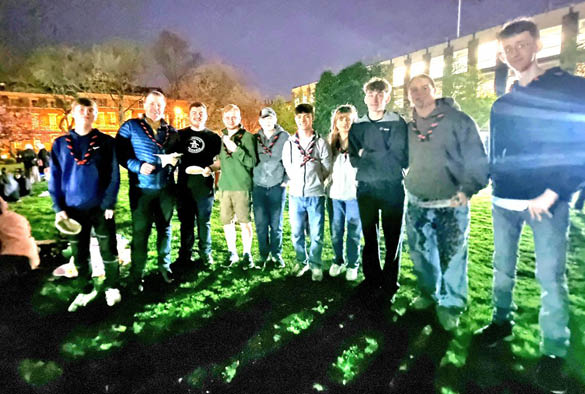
(376, 100)
(154, 107)
(519, 51)
(267, 123)
(304, 121)
(84, 116)
(343, 123)
(232, 119)
(198, 117)
(421, 92)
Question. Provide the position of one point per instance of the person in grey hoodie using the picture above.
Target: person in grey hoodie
(269, 190)
(306, 159)
(447, 165)
(342, 190)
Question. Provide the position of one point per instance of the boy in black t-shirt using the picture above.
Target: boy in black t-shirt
(199, 147)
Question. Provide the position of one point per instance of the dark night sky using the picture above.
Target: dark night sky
(279, 45)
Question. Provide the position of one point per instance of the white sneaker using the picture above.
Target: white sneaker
(302, 269)
(317, 274)
(82, 300)
(113, 296)
(351, 274)
(335, 270)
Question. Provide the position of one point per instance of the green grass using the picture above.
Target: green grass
(199, 300)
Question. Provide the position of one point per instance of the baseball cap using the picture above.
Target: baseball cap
(267, 111)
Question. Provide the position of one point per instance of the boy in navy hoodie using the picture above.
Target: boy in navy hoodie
(84, 184)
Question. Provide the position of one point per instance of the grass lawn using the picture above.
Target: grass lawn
(227, 330)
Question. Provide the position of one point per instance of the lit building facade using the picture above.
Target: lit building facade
(40, 118)
(562, 32)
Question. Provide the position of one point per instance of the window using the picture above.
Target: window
(437, 64)
(417, 68)
(101, 119)
(398, 98)
(398, 76)
(551, 42)
(112, 118)
(486, 54)
(460, 61)
(53, 121)
(35, 121)
(581, 34)
(486, 85)
(297, 101)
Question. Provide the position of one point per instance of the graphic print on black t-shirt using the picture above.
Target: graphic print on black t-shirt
(196, 144)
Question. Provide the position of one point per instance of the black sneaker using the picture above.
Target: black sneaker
(207, 259)
(232, 259)
(167, 276)
(247, 261)
(550, 375)
(495, 333)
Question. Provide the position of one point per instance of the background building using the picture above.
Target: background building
(562, 35)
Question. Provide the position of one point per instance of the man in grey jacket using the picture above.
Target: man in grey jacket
(306, 159)
(447, 165)
(269, 191)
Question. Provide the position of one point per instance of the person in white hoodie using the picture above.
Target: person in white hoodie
(306, 159)
(342, 203)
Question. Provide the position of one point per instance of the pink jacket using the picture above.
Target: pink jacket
(15, 236)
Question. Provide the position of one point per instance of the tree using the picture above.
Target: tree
(117, 66)
(285, 113)
(465, 89)
(217, 84)
(343, 88)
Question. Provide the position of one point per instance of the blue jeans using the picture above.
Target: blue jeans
(437, 238)
(192, 206)
(268, 203)
(342, 213)
(298, 209)
(550, 248)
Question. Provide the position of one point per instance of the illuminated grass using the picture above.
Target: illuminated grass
(354, 359)
(38, 372)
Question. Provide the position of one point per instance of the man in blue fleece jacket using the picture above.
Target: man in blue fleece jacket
(537, 149)
(84, 184)
(152, 200)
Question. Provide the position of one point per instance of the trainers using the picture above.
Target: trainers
(495, 333)
(232, 260)
(301, 269)
(550, 375)
(448, 318)
(316, 274)
(278, 261)
(113, 296)
(422, 302)
(167, 276)
(335, 270)
(248, 262)
(207, 259)
(351, 274)
(82, 300)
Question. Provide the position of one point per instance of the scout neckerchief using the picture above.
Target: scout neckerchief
(237, 138)
(306, 153)
(268, 149)
(79, 160)
(426, 136)
(146, 127)
(341, 150)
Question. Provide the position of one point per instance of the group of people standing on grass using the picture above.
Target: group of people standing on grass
(536, 161)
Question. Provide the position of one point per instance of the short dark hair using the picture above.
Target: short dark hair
(377, 84)
(424, 76)
(517, 26)
(157, 93)
(304, 108)
(84, 102)
(198, 104)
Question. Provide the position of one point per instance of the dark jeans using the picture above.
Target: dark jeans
(370, 206)
(191, 206)
(152, 206)
(105, 232)
(268, 203)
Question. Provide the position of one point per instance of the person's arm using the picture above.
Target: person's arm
(55, 180)
(475, 161)
(111, 193)
(326, 160)
(245, 152)
(124, 150)
(355, 147)
(287, 158)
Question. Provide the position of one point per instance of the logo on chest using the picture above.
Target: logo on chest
(196, 145)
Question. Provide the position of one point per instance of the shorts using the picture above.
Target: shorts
(236, 203)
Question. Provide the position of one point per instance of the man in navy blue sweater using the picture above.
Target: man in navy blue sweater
(537, 149)
(152, 200)
(84, 184)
